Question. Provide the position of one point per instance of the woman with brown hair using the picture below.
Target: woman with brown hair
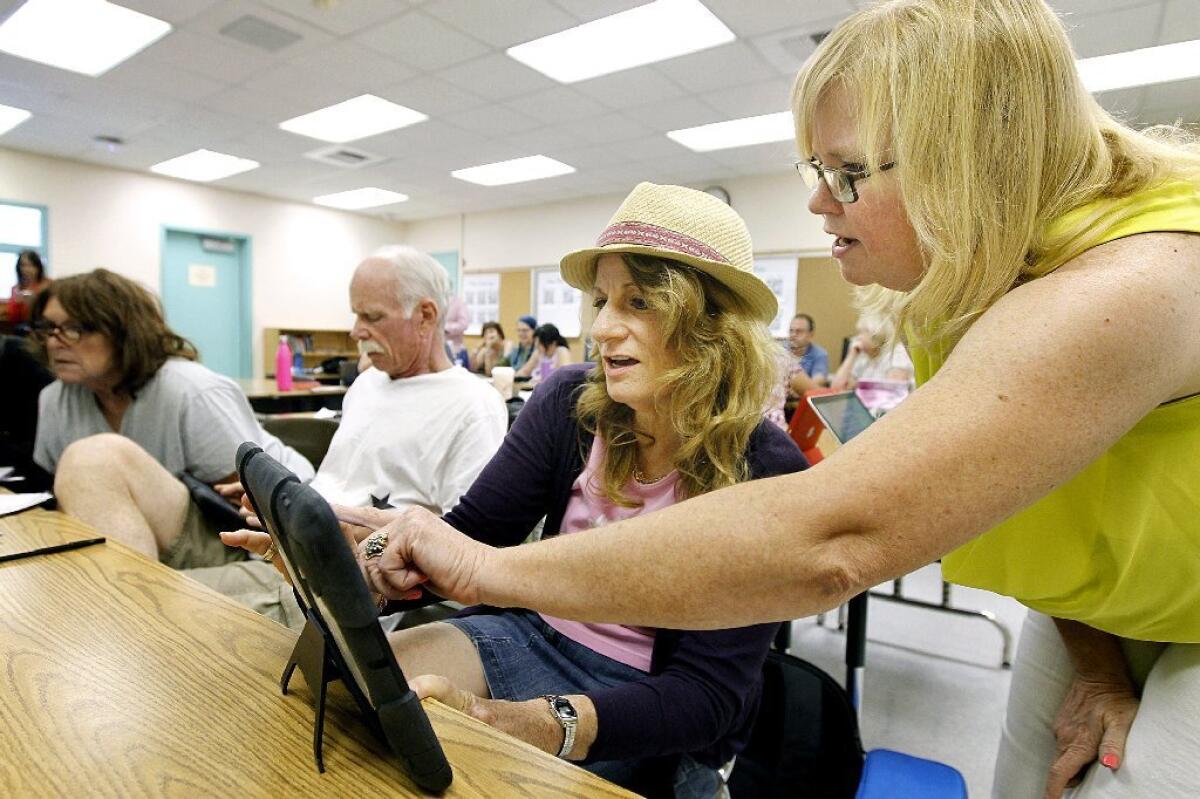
(129, 388)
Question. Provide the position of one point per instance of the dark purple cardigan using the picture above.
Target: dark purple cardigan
(703, 690)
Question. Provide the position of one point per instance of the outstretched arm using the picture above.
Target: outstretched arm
(929, 476)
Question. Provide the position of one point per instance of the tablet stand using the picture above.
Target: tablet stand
(314, 654)
(311, 654)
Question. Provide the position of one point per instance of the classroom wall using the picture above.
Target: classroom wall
(302, 255)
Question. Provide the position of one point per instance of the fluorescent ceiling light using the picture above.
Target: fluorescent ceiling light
(360, 198)
(365, 115)
(643, 35)
(87, 36)
(518, 170)
(204, 165)
(10, 117)
(737, 132)
(1141, 67)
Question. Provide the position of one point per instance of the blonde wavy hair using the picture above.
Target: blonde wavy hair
(994, 136)
(714, 398)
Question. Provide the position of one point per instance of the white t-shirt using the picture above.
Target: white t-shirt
(187, 417)
(877, 368)
(412, 441)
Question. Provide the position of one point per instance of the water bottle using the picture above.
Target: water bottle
(283, 365)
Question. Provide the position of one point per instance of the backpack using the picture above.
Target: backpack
(805, 741)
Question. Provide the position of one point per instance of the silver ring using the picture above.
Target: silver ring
(374, 545)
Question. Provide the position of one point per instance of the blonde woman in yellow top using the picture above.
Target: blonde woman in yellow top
(1003, 220)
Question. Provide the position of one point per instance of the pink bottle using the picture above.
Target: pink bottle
(283, 365)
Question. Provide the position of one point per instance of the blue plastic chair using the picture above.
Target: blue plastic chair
(893, 775)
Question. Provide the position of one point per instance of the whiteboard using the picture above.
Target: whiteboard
(779, 273)
(555, 302)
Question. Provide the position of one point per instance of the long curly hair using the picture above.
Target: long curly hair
(125, 312)
(714, 398)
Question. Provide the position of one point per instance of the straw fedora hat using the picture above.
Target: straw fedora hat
(684, 225)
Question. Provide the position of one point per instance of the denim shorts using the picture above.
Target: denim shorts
(523, 658)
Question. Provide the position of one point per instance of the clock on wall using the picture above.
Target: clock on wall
(718, 192)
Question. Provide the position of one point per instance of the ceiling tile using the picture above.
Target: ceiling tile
(213, 19)
(353, 65)
(545, 140)
(557, 105)
(674, 114)
(300, 82)
(1178, 99)
(431, 95)
(422, 42)
(588, 10)
(50, 136)
(606, 128)
(496, 76)
(340, 18)
(171, 11)
(1115, 31)
(758, 17)
(765, 97)
(1068, 8)
(503, 24)
(728, 65)
(1124, 103)
(216, 58)
(1181, 22)
(493, 120)
(631, 87)
(162, 79)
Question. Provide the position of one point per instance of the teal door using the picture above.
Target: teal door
(205, 297)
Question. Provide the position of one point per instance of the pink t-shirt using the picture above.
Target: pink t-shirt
(588, 508)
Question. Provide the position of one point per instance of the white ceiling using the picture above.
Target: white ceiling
(197, 88)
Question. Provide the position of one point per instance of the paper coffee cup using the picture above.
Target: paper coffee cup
(502, 379)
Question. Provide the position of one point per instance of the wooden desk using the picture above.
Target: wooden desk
(266, 398)
(120, 677)
(36, 528)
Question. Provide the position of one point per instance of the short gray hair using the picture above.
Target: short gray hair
(418, 277)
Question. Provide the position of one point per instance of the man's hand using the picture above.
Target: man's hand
(1092, 724)
(256, 542)
(532, 720)
(422, 549)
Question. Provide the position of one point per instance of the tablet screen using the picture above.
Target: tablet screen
(844, 414)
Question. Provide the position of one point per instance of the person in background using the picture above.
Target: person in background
(492, 351)
(871, 358)
(458, 318)
(809, 366)
(552, 352)
(1042, 261)
(23, 378)
(31, 281)
(526, 346)
(133, 425)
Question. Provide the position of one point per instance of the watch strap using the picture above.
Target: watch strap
(568, 723)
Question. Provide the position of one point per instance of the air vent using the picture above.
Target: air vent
(345, 157)
(259, 33)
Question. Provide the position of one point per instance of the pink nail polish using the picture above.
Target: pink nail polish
(1110, 762)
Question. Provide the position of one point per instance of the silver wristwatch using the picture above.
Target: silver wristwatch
(564, 711)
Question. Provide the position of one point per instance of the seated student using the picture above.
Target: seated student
(552, 352)
(492, 351)
(870, 359)
(808, 366)
(31, 281)
(457, 317)
(526, 346)
(673, 409)
(132, 415)
(414, 430)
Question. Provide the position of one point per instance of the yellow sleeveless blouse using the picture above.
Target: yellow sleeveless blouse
(1118, 546)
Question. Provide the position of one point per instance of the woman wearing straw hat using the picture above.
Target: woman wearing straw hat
(1042, 263)
(673, 410)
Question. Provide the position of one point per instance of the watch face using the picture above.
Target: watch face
(563, 708)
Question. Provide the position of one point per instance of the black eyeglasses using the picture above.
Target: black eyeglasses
(67, 332)
(840, 181)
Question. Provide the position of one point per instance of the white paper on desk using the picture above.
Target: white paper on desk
(5, 471)
(325, 413)
(12, 503)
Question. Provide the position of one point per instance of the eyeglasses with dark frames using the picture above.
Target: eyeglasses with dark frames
(840, 181)
(67, 332)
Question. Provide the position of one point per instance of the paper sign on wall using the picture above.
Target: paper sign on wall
(555, 302)
(481, 292)
(780, 275)
(202, 276)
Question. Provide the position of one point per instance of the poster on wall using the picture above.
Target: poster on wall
(779, 273)
(481, 292)
(556, 303)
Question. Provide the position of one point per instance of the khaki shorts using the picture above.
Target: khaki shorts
(199, 544)
(257, 585)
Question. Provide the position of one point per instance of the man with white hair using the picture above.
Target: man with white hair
(415, 430)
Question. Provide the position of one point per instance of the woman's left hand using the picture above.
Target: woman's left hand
(531, 721)
(1092, 723)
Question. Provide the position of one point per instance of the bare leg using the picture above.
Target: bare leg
(440, 648)
(114, 485)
